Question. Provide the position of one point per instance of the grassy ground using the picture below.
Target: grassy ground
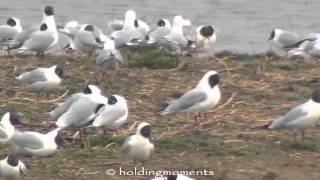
(255, 91)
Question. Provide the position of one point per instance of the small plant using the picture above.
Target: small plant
(103, 140)
(155, 59)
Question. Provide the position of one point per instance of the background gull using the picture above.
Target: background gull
(9, 31)
(206, 39)
(70, 29)
(175, 40)
(163, 28)
(48, 19)
(133, 32)
(284, 39)
(40, 41)
(87, 40)
(109, 56)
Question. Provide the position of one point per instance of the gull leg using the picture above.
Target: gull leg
(8, 51)
(38, 95)
(77, 134)
(303, 135)
(295, 135)
(205, 116)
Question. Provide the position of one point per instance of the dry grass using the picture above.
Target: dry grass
(230, 141)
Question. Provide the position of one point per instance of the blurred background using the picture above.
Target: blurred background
(243, 26)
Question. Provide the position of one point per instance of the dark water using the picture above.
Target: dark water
(242, 25)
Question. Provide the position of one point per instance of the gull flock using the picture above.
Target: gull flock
(92, 107)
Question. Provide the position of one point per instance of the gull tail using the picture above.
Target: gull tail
(24, 170)
(265, 127)
(162, 108)
(297, 44)
(15, 47)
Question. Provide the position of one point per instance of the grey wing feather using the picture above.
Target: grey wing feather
(79, 113)
(159, 33)
(3, 135)
(126, 147)
(116, 25)
(102, 56)
(186, 101)
(112, 114)
(26, 140)
(39, 40)
(288, 38)
(32, 76)
(24, 35)
(190, 33)
(177, 39)
(106, 54)
(87, 39)
(63, 107)
(291, 115)
(126, 36)
(7, 32)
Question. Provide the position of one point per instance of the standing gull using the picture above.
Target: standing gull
(175, 41)
(303, 116)
(87, 41)
(138, 146)
(109, 56)
(206, 38)
(40, 41)
(134, 31)
(9, 30)
(71, 29)
(42, 79)
(202, 98)
(113, 114)
(49, 21)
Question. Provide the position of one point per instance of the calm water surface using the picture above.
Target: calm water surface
(242, 25)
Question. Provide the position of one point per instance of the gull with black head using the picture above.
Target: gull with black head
(303, 116)
(112, 115)
(87, 39)
(138, 146)
(12, 169)
(42, 79)
(7, 129)
(202, 98)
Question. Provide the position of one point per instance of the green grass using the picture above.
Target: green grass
(155, 59)
(103, 140)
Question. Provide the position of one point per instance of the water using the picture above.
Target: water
(242, 25)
